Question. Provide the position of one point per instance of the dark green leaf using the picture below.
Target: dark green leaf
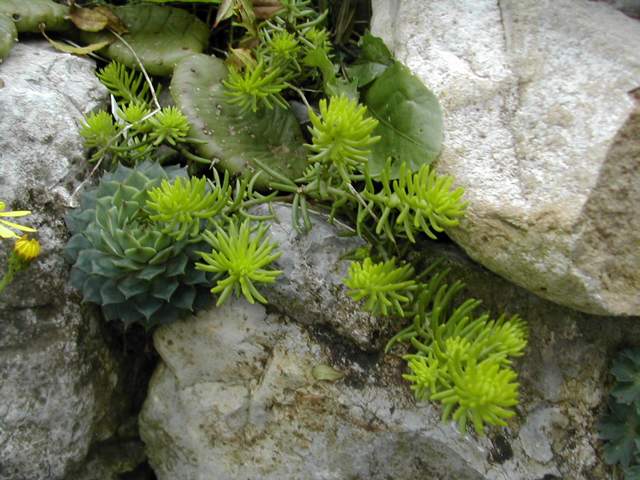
(410, 120)
(373, 61)
(620, 429)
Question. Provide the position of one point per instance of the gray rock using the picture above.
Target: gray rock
(61, 387)
(310, 288)
(234, 397)
(541, 131)
(43, 98)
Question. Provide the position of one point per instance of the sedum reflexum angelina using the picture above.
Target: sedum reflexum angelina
(460, 359)
(125, 261)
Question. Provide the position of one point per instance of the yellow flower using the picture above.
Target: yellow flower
(4, 231)
(27, 249)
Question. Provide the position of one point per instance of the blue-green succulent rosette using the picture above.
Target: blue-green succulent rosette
(128, 263)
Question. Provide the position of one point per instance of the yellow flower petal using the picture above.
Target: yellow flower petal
(17, 213)
(6, 233)
(17, 226)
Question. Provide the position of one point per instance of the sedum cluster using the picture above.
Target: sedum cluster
(138, 236)
(284, 47)
(133, 131)
(460, 359)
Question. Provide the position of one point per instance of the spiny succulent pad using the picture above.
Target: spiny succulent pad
(123, 260)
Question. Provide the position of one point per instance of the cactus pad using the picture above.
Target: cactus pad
(121, 258)
(161, 36)
(29, 14)
(234, 138)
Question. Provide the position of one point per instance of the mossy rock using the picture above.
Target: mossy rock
(235, 139)
(161, 37)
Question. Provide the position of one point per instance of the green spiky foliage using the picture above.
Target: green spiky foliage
(186, 205)
(169, 126)
(382, 285)
(620, 427)
(341, 137)
(122, 259)
(237, 141)
(123, 83)
(255, 86)
(420, 201)
(138, 130)
(98, 130)
(239, 258)
(460, 359)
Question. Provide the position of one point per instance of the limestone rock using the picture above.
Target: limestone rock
(541, 129)
(61, 383)
(311, 288)
(234, 397)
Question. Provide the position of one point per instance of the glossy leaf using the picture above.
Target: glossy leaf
(232, 138)
(410, 120)
(373, 61)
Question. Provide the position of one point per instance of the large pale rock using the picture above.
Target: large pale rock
(61, 387)
(541, 129)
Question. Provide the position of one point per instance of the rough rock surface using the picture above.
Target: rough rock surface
(313, 267)
(61, 384)
(541, 129)
(235, 397)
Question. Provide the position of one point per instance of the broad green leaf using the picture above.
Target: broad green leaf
(373, 61)
(410, 120)
(230, 137)
(161, 37)
(8, 35)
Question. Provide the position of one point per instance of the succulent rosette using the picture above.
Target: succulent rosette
(124, 261)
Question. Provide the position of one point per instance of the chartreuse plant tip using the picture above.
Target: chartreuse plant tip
(341, 137)
(459, 359)
(383, 286)
(239, 258)
(169, 125)
(420, 201)
(185, 205)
